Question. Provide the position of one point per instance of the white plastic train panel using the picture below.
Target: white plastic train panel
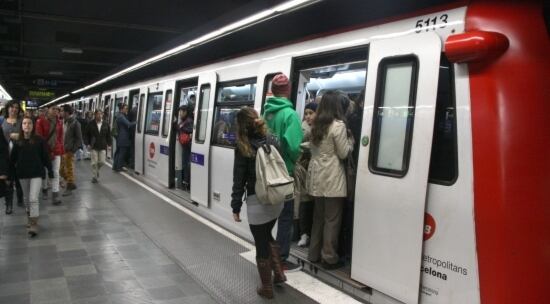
(392, 176)
(157, 130)
(138, 142)
(200, 149)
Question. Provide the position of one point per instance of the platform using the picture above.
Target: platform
(117, 242)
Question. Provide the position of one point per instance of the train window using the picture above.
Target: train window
(444, 158)
(202, 116)
(267, 89)
(140, 112)
(394, 116)
(231, 96)
(167, 112)
(153, 113)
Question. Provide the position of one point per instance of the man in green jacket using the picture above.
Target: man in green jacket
(283, 122)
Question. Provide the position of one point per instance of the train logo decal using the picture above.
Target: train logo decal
(429, 226)
(151, 150)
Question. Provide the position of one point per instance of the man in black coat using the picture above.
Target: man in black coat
(97, 138)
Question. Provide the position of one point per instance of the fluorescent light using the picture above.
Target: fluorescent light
(52, 101)
(235, 26)
(71, 50)
(55, 73)
(4, 94)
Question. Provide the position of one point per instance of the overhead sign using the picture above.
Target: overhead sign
(41, 94)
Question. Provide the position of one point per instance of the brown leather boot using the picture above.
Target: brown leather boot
(264, 269)
(278, 271)
(33, 230)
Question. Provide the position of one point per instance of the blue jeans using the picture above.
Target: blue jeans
(120, 158)
(284, 228)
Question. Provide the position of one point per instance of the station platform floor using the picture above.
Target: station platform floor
(117, 242)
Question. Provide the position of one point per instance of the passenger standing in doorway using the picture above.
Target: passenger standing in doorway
(10, 127)
(185, 135)
(50, 128)
(306, 201)
(251, 135)
(123, 138)
(97, 138)
(327, 179)
(283, 122)
(72, 139)
(28, 162)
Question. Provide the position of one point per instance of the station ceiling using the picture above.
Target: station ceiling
(50, 48)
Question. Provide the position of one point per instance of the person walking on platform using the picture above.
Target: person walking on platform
(326, 179)
(28, 161)
(4, 166)
(10, 130)
(50, 128)
(185, 135)
(72, 142)
(123, 138)
(283, 122)
(97, 138)
(251, 135)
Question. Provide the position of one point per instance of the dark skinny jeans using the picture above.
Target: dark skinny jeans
(262, 238)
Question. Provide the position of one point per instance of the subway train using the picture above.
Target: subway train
(452, 190)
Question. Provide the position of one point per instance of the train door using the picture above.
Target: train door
(119, 100)
(266, 73)
(200, 148)
(394, 160)
(185, 96)
(133, 102)
(138, 139)
(157, 128)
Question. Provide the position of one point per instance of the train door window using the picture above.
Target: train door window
(187, 96)
(202, 117)
(125, 99)
(394, 116)
(230, 97)
(444, 157)
(140, 112)
(153, 113)
(267, 90)
(167, 113)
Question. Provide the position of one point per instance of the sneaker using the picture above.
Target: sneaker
(94, 180)
(304, 240)
(291, 267)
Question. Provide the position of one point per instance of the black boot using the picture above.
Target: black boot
(20, 201)
(9, 204)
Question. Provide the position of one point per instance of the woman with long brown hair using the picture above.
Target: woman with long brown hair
(29, 157)
(330, 145)
(251, 135)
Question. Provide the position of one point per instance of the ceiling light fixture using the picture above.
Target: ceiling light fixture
(71, 50)
(56, 73)
(231, 28)
(4, 94)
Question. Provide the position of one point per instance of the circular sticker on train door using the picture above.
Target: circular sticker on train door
(429, 226)
(151, 150)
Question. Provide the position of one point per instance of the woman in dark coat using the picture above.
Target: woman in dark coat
(251, 135)
(4, 156)
(29, 157)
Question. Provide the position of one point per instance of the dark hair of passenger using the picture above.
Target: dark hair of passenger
(32, 139)
(329, 109)
(248, 124)
(12, 104)
(67, 108)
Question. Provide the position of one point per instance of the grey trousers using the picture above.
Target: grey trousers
(31, 190)
(327, 221)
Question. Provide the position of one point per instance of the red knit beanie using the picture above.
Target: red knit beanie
(280, 86)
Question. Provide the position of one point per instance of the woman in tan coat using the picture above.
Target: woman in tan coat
(329, 146)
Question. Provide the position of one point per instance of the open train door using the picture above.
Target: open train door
(200, 148)
(394, 161)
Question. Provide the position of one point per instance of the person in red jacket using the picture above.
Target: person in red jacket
(50, 128)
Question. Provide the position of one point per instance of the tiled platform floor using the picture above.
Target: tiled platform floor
(87, 251)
